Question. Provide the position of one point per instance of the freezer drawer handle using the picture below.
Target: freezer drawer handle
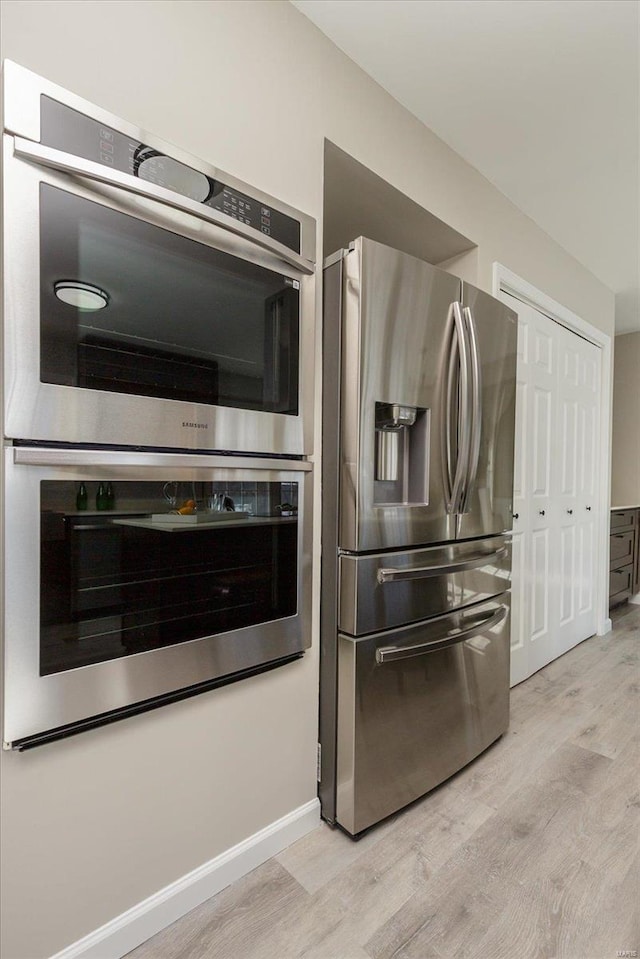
(388, 654)
(393, 575)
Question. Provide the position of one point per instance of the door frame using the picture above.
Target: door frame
(505, 281)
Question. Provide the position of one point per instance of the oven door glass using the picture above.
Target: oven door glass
(133, 575)
(130, 307)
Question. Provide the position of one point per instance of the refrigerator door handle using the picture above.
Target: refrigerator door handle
(476, 409)
(459, 349)
(389, 654)
(447, 439)
(398, 574)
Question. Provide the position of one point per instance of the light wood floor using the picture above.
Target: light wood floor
(530, 852)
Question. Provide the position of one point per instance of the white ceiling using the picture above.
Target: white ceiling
(541, 96)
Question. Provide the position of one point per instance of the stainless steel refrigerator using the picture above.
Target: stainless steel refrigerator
(418, 432)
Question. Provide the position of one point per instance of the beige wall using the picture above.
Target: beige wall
(95, 824)
(625, 455)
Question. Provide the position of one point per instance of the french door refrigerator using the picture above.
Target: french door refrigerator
(418, 432)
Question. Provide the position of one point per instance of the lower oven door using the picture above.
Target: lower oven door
(415, 705)
(113, 599)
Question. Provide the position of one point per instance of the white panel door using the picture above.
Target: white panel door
(521, 487)
(538, 582)
(588, 425)
(566, 485)
(555, 486)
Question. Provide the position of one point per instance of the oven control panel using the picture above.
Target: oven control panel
(72, 132)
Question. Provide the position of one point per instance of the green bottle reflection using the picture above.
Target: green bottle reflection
(81, 497)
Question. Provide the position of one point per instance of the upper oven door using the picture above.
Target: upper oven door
(130, 320)
(112, 599)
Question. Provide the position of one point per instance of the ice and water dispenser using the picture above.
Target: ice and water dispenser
(402, 455)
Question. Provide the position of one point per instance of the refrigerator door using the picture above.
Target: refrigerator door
(386, 590)
(402, 325)
(487, 496)
(415, 706)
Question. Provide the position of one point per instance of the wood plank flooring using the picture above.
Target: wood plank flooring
(530, 852)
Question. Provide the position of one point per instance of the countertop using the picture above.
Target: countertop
(615, 508)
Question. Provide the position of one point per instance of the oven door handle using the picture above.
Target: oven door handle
(389, 654)
(396, 574)
(89, 170)
(43, 456)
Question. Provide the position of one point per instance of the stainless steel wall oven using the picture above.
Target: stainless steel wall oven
(149, 299)
(107, 609)
(157, 390)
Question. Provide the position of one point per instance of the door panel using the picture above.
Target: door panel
(490, 503)
(394, 306)
(542, 402)
(578, 390)
(569, 448)
(586, 552)
(543, 595)
(541, 556)
(544, 350)
(567, 574)
(540, 584)
(93, 636)
(557, 470)
(144, 370)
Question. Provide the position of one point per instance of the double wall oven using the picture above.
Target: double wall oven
(157, 410)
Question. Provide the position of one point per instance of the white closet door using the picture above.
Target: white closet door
(555, 484)
(521, 487)
(566, 485)
(534, 584)
(580, 400)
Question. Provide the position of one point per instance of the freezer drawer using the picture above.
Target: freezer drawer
(415, 705)
(386, 590)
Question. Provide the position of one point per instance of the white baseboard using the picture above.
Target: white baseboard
(605, 627)
(131, 928)
(635, 599)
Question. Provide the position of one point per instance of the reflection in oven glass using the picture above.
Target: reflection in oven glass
(170, 563)
(182, 320)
